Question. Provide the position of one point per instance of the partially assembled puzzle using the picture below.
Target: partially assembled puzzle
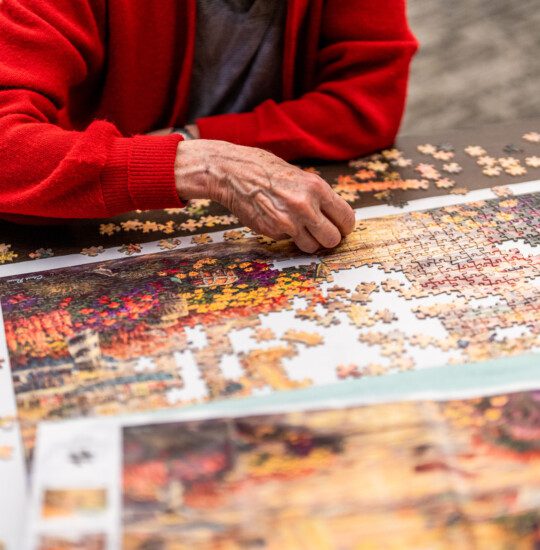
(449, 286)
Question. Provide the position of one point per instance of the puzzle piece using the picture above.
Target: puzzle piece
(427, 149)
(234, 235)
(130, 249)
(41, 253)
(263, 335)
(533, 162)
(452, 168)
(475, 151)
(169, 244)
(363, 291)
(131, 225)
(109, 229)
(6, 452)
(427, 171)
(445, 183)
(386, 316)
(492, 171)
(516, 170)
(443, 155)
(348, 371)
(502, 191)
(486, 161)
(301, 337)
(92, 251)
(203, 238)
(532, 137)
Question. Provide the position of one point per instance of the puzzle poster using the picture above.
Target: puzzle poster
(459, 471)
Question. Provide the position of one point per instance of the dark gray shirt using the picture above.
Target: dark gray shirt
(238, 53)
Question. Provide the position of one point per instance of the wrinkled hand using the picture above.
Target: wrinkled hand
(266, 193)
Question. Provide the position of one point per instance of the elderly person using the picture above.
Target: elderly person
(107, 106)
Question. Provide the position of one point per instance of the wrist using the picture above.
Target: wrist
(194, 170)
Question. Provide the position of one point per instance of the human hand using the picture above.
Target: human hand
(266, 193)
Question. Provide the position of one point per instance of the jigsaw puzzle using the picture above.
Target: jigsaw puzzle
(460, 474)
(457, 284)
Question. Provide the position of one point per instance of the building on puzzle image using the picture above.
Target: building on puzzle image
(85, 351)
(107, 344)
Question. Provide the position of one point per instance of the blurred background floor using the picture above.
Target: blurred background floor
(479, 63)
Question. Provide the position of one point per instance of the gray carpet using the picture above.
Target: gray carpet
(479, 63)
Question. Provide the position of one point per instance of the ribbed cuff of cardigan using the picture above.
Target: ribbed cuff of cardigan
(241, 129)
(139, 174)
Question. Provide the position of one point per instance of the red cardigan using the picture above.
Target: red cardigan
(82, 80)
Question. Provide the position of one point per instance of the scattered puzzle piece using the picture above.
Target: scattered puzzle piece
(492, 171)
(41, 253)
(427, 149)
(109, 229)
(502, 191)
(301, 337)
(348, 371)
(532, 137)
(130, 249)
(92, 251)
(445, 183)
(452, 168)
(263, 335)
(169, 244)
(386, 316)
(533, 162)
(6, 452)
(475, 151)
(204, 238)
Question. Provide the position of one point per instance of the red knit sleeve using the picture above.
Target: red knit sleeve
(357, 104)
(46, 49)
